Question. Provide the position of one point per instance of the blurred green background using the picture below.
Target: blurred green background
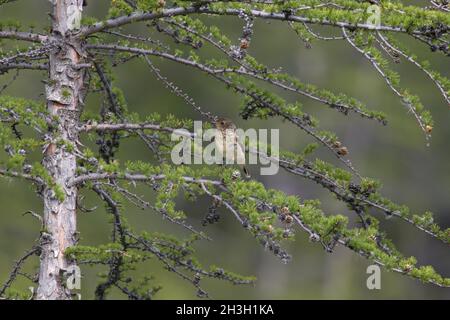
(412, 172)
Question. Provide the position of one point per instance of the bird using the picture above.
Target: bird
(226, 138)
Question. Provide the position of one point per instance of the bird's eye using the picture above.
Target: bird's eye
(222, 122)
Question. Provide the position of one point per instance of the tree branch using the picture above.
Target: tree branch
(304, 170)
(137, 16)
(22, 65)
(130, 127)
(25, 36)
(16, 269)
(134, 177)
(15, 174)
(219, 75)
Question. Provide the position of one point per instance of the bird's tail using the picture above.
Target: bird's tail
(246, 172)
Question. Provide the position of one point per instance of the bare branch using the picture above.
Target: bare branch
(218, 198)
(17, 266)
(22, 65)
(25, 36)
(134, 177)
(130, 127)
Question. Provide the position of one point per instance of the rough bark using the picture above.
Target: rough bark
(64, 94)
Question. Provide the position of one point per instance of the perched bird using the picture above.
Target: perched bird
(226, 138)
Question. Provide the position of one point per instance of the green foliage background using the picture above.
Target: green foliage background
(412, 172)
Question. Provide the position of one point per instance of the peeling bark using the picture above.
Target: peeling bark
(64, 94)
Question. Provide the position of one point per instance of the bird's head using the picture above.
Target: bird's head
(224, 124)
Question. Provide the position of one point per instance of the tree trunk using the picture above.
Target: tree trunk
(64, 94)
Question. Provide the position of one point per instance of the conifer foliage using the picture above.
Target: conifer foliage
(77, 55)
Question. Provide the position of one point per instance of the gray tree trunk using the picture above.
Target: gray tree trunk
(64, 94)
